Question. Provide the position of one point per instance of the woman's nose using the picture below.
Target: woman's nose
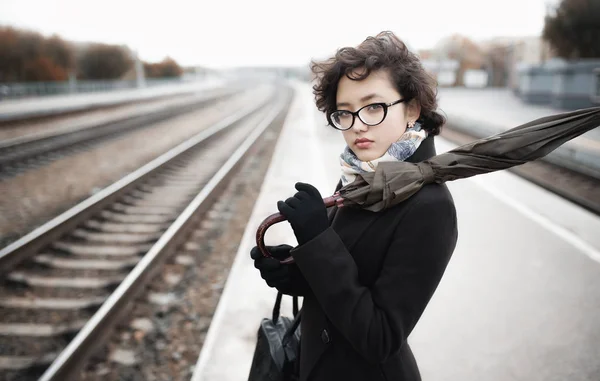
(359, 126)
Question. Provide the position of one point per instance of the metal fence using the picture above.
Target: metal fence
(37, 89)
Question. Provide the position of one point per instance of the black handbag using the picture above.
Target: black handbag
(276, 356)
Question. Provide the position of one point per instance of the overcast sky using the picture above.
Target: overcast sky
(220, 33)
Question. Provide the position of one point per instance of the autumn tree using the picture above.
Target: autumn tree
(101, 61)
(167, 68)
(573, 29)
(49, 60)
(29, 56)
(170, 68)
(59, 51)
(43, 69)
(9, 62)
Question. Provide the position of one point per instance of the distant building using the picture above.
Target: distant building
(451, 58)
(515, 53)
(459, 61)
(443, 70)
(527, 51)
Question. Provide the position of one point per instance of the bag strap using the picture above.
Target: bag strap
(277, 306)
(295, 306)
(290, 331)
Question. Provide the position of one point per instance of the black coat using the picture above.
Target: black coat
(370, 277)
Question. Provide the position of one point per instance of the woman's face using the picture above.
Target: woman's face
(372, 142)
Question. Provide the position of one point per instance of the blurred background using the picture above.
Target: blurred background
(141, 140)
(50, 47)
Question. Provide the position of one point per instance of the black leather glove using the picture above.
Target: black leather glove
(286, 278)
(306, 213)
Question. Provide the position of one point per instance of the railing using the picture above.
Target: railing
(37, 89)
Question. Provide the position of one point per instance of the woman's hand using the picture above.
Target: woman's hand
(305, 212)
(285, 278)
(271, 270)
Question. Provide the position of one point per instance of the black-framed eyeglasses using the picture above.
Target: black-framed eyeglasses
(371, 115)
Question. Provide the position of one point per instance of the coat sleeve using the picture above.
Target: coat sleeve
(377, 320)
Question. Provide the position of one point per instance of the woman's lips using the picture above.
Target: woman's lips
(363, 143)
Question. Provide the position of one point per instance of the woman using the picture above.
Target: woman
(366, 277)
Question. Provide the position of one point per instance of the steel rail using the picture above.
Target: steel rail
(70, 361)
(28, 245)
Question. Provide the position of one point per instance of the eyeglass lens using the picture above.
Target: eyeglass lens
(369, 115)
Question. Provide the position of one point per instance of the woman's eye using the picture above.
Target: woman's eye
(375, 107)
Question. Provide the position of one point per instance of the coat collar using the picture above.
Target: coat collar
(352, 228)
(425, 151)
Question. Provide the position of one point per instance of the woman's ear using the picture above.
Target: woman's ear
(413, 110)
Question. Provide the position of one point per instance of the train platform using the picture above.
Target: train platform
(51, 105)
(517, 300)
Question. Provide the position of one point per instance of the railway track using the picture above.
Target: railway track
(67, 283)
(21, 154)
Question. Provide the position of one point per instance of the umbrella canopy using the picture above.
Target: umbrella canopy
(394, 182)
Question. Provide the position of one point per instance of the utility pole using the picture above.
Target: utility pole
(140, 77)
(72, 82)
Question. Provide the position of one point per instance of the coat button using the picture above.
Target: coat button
(325, 337)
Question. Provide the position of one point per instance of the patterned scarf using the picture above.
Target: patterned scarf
(401, 150)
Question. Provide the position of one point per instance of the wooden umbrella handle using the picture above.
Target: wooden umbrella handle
(275, 218)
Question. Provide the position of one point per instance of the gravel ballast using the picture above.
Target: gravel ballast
(32, 198)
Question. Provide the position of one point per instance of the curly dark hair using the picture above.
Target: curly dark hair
(382, 52)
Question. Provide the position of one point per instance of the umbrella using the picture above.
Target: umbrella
(394, 182)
